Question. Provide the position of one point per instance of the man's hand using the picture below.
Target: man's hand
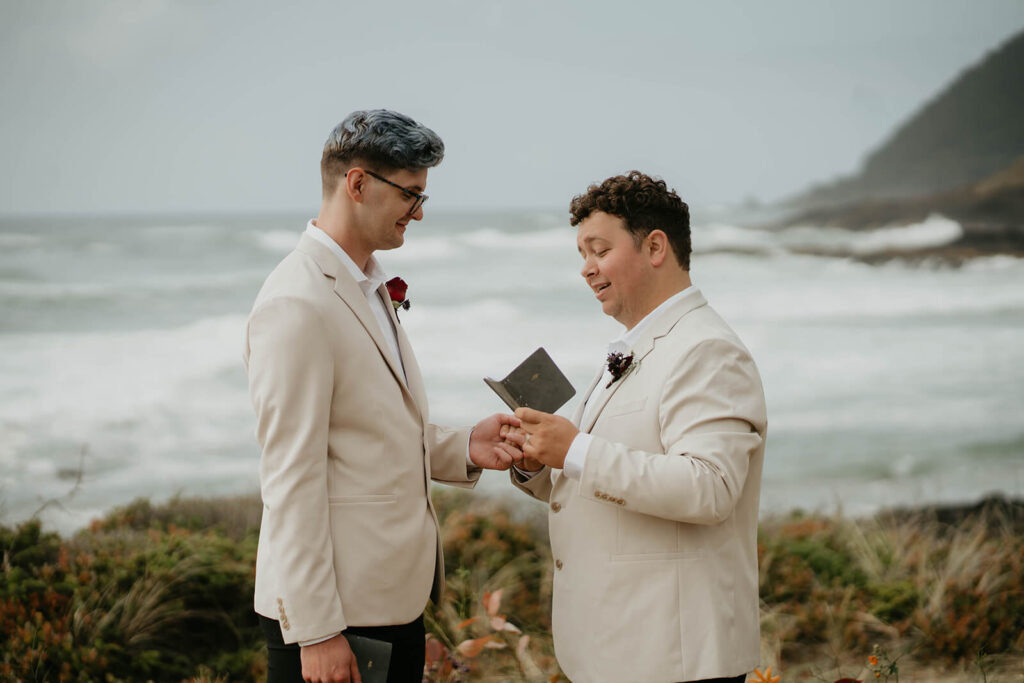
(489, 449)
(517, 436)
(331, 661)
(548, 436)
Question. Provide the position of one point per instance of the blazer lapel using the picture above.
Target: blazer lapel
(581, 408)
(664, 323)
(413, 376)
(603, 400)
(348, 291)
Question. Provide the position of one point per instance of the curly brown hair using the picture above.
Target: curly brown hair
(645, 204)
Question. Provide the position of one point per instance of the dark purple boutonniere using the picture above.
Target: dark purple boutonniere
(396, 290)
(618, 366)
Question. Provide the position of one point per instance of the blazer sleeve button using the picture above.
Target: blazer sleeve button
(558, 564)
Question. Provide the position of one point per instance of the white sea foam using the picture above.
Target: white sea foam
(934, 231)
(878, 378)
(151, 285)
(80, 380)
(18, 240)
(721, 236)
(277, 241)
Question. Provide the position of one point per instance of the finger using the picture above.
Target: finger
(354, 668)
(504, 430)
(506, 419)
(516, 438)
(514, 453)
(529, 416)
(502, 460)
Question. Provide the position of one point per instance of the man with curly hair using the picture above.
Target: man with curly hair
(653, 487)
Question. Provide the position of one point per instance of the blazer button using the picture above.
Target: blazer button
(558, 564)
(556, 506)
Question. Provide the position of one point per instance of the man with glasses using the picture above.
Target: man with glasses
(349, 541)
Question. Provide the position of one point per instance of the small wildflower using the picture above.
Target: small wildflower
(872, 660)
(764, 676)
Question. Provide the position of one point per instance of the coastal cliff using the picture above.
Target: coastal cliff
(960, 155)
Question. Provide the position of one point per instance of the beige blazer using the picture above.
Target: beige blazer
(655, 546)
(349, 536)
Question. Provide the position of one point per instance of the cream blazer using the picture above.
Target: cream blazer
(349, 536)
(655, 546)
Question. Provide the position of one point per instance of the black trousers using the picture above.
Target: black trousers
(408, 650)
(738, 679)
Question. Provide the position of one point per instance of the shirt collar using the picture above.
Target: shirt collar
(624, 342)
(367, 281)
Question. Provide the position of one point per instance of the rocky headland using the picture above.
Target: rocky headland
(961, 156)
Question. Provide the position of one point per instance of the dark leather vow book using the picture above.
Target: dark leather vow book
(535, 383)
(373, 657)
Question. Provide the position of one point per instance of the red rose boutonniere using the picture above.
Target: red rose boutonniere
(618, 366)
(396, 290)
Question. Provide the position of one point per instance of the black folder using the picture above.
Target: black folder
(373, 657)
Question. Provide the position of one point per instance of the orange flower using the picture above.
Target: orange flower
(872, 660)
(764, 677)
(473, 648)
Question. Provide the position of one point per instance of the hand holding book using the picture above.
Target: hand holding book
(535, 383)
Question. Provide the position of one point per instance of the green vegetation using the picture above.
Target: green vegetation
(164, 593)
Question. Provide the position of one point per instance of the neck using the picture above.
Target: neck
(664, 289)
(338, 226)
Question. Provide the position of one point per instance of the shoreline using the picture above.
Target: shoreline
(944, 511)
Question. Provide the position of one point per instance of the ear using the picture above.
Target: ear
(353, 184)
(657, 246)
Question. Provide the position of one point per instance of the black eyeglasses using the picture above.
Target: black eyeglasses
(418, 199)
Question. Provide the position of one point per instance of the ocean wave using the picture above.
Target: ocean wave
(1000, 262)
(722, 237)
(492, 238)
(934, 231)
(480, 242)
(157, 286)
(277, 241)
(18, 240)
(84, 380)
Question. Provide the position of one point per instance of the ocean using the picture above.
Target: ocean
(121, 337)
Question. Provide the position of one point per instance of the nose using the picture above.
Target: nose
(589, 267)
(417, 215)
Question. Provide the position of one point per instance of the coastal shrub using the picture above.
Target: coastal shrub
(164, 592)
(118, 603)
(485, 549)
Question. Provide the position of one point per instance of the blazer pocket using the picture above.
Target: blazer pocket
(656, 557)
(363, 500)
(625, 408)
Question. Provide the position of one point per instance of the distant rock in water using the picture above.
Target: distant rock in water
(970, 131)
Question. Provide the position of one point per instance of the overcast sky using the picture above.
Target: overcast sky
(205, 105)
